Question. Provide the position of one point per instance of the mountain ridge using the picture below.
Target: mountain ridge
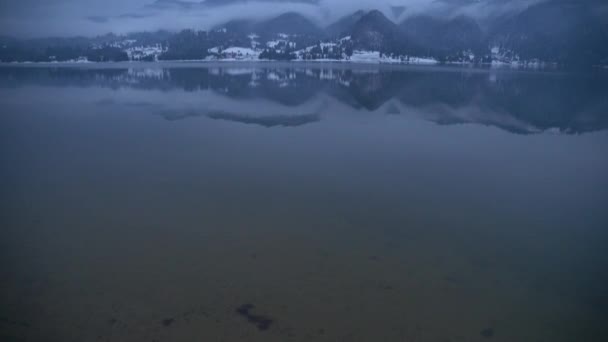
(556, 33)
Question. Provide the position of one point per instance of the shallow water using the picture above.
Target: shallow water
(278, 202)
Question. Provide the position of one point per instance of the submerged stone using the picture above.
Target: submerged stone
(262, 322)
(488, 332)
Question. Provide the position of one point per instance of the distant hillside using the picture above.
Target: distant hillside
(344, 26)
(445, 38)
(374, 31)
(567, 32)
(554, 33)
(289, 23)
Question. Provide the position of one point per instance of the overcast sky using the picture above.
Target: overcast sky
(33, 18)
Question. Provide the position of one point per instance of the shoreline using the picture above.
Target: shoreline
(339, 64)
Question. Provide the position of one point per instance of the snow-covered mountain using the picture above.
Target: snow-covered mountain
(562, 32)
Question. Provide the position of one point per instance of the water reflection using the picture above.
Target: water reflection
(302, 203)
(518, 102)
(268, 121)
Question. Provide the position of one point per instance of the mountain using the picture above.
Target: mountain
(566, 32)
(444, 38)
(289, 23)
(60, 49)
(397, 11)
(241, 26)
(462, 32)
(278, 36)
(150, 38)
(374, 31)
(187, 45)
(557, 32)
(344, 26)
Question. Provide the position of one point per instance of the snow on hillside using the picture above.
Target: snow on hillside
(253, 38)
(234, 53)
(280, 42)
(365, 57)
(120, 44)
(136, 53)
(240, 52)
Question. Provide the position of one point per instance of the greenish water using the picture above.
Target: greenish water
(294, 202)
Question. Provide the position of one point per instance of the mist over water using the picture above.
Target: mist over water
(298, 202)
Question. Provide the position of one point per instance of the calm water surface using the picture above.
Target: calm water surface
(186, 202)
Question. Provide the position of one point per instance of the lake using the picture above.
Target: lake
(302, 202)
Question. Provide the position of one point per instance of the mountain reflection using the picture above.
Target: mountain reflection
(268, 121)
(519, 102)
